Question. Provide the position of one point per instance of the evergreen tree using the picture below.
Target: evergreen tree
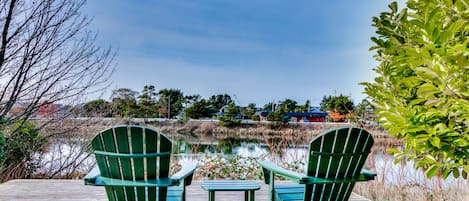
(288, 105)
(249, 110)
(199, 109)
(147, 102)
(340, 104)
(231, 116)
(364, 112)
(171, 102)
(97, 108)
(220, 100)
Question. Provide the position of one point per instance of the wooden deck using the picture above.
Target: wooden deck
(75, 190)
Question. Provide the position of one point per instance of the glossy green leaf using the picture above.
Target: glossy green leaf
(398, 158)
(393, 7)
(466, 168)
(435, 142)
(392, 150)
(445, 173)
(461, 142)
(433, 170)
(456, 173)
(425, 161)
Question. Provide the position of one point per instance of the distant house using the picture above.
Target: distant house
(225, 108)
(307, 116)
(46, 109)
(337, 117)
(314, 115)
(262, 115)
(50, 110)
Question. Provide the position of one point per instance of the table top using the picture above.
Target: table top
(230, 185)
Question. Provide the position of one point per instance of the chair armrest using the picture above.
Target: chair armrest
(366, 175)
(274, 168)
(95, 179)
(161, 182)
(304, 179)
(90, 178)
(185, 174)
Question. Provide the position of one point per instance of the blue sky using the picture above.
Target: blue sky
(259, 51)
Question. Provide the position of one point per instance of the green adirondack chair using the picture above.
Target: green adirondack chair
(335, 162)
(133, 164)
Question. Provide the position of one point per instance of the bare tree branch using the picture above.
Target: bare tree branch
(47, 56)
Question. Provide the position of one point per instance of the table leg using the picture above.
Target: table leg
(211, 195)
(246, 195)
(251, 197)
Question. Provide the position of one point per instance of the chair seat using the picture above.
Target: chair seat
(295, 192)
(289, 192)
(174, 193)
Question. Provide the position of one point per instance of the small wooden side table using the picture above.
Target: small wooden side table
(248, 186)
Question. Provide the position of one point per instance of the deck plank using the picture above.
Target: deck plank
(74, 190)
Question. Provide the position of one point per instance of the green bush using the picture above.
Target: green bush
(255, 117)
(18, 151)
(421, 93)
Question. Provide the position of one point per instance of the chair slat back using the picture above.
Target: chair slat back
(151, 160)
(337, 154)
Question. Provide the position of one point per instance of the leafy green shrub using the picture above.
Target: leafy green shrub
(278, 118)
(18, 151)
(255, 117)
(421, 93)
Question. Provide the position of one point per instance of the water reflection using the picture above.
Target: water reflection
(233, 146)
(389, 173)
(226, 147)
(74, 156)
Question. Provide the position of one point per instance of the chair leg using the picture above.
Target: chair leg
(211, 195)
(271, 187)
(184, 190)
(251, 196)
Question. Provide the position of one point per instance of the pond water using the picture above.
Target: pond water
(389, 173)
(66, 159)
